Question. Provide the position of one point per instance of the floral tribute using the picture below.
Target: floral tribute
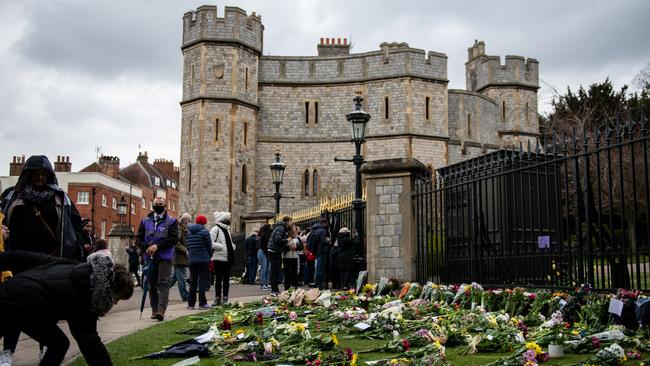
(428, 324)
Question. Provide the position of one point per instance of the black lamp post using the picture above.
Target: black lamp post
(358, 119)
(277, 173)
(121, 210)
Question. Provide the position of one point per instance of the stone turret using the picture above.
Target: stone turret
(219, 108)
(513, 86)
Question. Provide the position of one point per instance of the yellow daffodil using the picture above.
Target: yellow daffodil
(354, 360)
(335, 340)
(240, 331)
(226, 335)
(394, 361)
(535, 347)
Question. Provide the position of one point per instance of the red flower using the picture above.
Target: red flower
(406, 345)
(260, 318)
(567, 325)
(532, 296)
(595, 342)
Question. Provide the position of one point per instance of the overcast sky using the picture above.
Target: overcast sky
(78, 74)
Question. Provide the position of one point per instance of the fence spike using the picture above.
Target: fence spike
(597, 135)
(585, 140)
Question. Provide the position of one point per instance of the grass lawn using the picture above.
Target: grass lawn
(155, 338)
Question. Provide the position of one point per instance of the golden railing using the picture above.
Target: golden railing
(325, 204)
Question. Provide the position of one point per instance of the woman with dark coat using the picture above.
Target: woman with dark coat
(199, 248)
(40, 215)
(345, 258)
(47, 289)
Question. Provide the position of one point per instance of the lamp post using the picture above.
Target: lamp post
(277, 173)
(358, 119)
(121, 210)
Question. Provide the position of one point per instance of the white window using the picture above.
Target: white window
(156, 181)
(132, 208)
(144, 203)
(83, 198)
(104, 202)
(103, 229)
(169, 182)
(151, 205)
(114, 205)
(174, 185)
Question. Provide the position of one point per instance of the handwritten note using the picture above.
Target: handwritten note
(616, 307)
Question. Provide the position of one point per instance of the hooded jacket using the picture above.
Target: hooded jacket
(317, 240)
(279, 238)
(28, 232)
(219, 243)
(346, 249)
(52, 288)
(199, 245)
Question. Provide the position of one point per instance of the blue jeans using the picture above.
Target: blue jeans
(321, 269)
(251, 269)
(180, 276)
(264, 268)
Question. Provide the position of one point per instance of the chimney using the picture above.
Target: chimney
(62, 164)
(333, 47)
(165, 166)
(16, 165)
(143, 158)
(109, 165)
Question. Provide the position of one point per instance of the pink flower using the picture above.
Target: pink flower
(542, 357)
(595, 342)
(293, 315)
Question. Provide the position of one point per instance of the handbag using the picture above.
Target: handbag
(310, 256)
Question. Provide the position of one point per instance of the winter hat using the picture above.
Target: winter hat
(221, 216)
(344, 230)
(201, 220)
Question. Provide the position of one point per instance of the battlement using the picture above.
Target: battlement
(391, 60)
(483, 71)
(204, 25)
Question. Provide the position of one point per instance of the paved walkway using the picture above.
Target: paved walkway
(124, 319)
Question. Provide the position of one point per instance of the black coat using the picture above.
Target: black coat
(28, 232)
(47, 289)
(279, 238)
(345, 252)
(252, 244)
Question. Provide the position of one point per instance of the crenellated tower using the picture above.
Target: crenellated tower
(219, 110)
(512, 86)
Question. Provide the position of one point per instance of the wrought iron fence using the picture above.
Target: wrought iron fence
(339, 212)
(563, 212)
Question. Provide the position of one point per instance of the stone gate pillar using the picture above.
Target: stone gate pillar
(390, 221)
(119, 238)
(254, 220)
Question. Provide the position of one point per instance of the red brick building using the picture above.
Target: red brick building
(97, 188)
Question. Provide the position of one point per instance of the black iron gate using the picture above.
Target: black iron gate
(557, 214)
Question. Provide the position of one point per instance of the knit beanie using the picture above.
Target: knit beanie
(201, 220)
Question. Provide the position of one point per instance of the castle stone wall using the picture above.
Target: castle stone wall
(393, 61)
(204, 25)
(483, 113)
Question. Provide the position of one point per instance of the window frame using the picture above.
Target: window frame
(85, 195)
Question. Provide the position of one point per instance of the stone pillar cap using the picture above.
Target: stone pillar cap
(394, 165)
(258, 215)
(121, 230)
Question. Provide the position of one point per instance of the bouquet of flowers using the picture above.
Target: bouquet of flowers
(612, 355)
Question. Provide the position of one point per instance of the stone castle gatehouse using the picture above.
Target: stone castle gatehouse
(239, 107)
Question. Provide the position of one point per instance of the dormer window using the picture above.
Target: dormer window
(156, 181)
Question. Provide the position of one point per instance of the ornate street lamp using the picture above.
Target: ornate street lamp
(358, 119)
(277, 173)
(121, 209)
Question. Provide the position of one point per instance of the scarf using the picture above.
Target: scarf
(231, 251)
(32, 195)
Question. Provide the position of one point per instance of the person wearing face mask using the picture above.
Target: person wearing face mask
(223, 256)
(157, 237)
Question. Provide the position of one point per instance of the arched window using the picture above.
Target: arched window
(189, 177)
(314, 181)
(306, 183)
(244, 179)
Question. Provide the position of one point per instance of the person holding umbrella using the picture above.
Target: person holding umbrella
(157, 237)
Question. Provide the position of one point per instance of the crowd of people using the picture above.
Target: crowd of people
(53, 268)
(285, 254)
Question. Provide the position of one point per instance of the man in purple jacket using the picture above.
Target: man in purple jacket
(157, 237)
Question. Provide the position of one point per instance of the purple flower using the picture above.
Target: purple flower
(543, 357)
(529, 355)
